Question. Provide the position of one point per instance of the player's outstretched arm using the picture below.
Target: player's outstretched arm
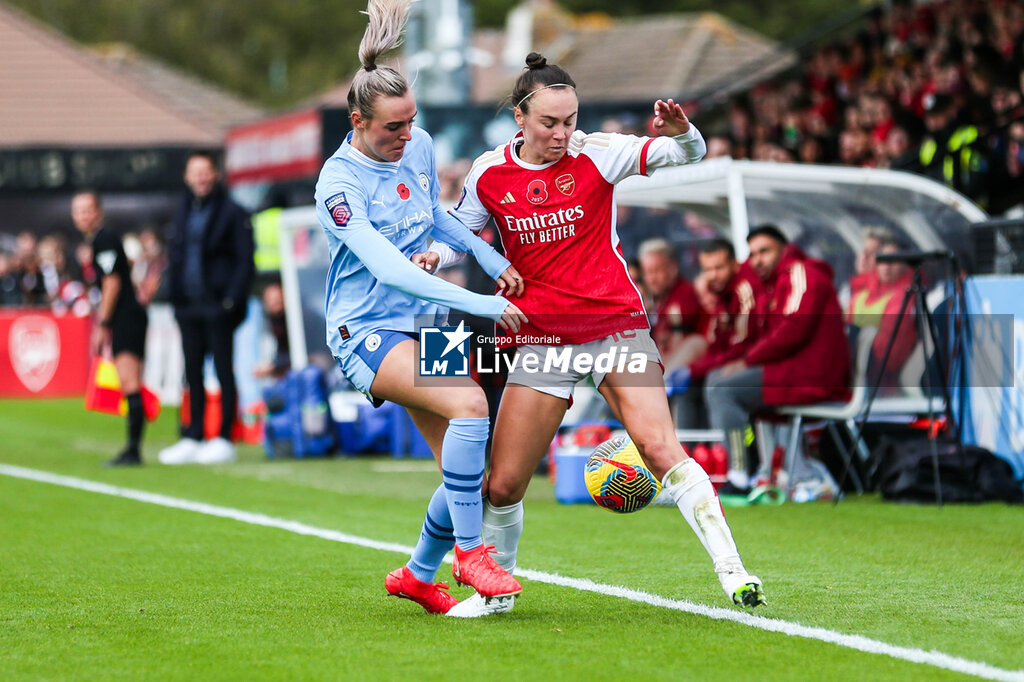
(684, 143)
(670, 119)
(391, 268)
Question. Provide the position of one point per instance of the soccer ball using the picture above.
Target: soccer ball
(617, 478)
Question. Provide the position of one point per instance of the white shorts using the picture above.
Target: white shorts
(555, 370)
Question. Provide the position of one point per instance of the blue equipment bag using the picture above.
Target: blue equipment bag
(299, 422)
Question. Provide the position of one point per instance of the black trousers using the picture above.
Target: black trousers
(202, 336)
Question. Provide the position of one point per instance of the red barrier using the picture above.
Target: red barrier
(42, 354)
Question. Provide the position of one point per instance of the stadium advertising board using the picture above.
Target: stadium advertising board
(992, 397)
(42, 354)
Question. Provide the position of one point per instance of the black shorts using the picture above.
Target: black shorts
(129, 334)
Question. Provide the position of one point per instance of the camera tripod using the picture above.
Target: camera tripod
(926, 331)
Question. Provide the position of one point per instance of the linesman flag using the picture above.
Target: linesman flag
(103, 392)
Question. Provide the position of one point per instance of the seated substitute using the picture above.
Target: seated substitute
(800, 354)
(728, 334)
(675, 325)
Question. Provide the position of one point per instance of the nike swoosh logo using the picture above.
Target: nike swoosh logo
(631, 472)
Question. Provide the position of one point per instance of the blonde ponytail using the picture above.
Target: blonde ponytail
(383, 33)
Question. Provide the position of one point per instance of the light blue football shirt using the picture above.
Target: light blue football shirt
(377, 215)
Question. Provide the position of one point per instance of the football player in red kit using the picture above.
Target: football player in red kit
(550, 191)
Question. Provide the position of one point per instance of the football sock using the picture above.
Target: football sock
(436, 538)
(692, 492)
(462, 470)
(136, 419)
(502, 527)
(737, 447)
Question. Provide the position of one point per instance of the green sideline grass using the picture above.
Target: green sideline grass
(95, 587)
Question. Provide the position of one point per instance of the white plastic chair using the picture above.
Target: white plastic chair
(834, 414)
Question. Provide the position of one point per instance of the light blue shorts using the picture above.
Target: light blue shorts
(361, 363)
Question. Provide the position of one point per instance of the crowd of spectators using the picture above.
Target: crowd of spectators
(50, 272)
(932, 88)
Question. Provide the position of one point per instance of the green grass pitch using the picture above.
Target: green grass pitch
(95, 587)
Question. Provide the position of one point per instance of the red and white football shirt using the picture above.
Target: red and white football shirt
(557, 225)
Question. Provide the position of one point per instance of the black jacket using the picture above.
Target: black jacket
(228, 266)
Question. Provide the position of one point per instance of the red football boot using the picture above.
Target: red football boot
(433, 597)
(476, 568)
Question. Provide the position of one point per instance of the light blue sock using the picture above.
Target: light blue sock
(436, 538)
(462, 469)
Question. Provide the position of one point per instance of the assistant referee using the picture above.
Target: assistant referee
(120, 329)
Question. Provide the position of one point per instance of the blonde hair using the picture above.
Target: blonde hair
(383, 33)
(657, 245)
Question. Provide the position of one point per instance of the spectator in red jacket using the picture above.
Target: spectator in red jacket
(677, 312)
(799, 353)
(727, 335)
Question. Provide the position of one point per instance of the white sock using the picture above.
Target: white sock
(692, 492)
(502, 527)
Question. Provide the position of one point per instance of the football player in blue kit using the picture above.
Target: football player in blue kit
(377, 199)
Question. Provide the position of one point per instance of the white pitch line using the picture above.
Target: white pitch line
(858, 642)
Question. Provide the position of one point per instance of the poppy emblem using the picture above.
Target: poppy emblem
(566, 184)
(403, 191)
(537, 191)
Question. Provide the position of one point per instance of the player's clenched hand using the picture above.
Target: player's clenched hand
(427, 260)
(512, 319)
(511, 282)
(669, 118)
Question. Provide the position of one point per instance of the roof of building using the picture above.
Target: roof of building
(658, 56)
(631, 60)
(54, 91)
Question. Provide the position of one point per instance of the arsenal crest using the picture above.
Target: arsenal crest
(34, 343)
(566, 184)
(537, 191)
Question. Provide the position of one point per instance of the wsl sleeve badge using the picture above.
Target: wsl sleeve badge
(339, 209)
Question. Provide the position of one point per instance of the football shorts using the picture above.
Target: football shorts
(549, 370)
(360, 365)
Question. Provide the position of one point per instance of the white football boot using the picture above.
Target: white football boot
(479, 606)
(744, 589)
(182, 452)
(216, 451)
